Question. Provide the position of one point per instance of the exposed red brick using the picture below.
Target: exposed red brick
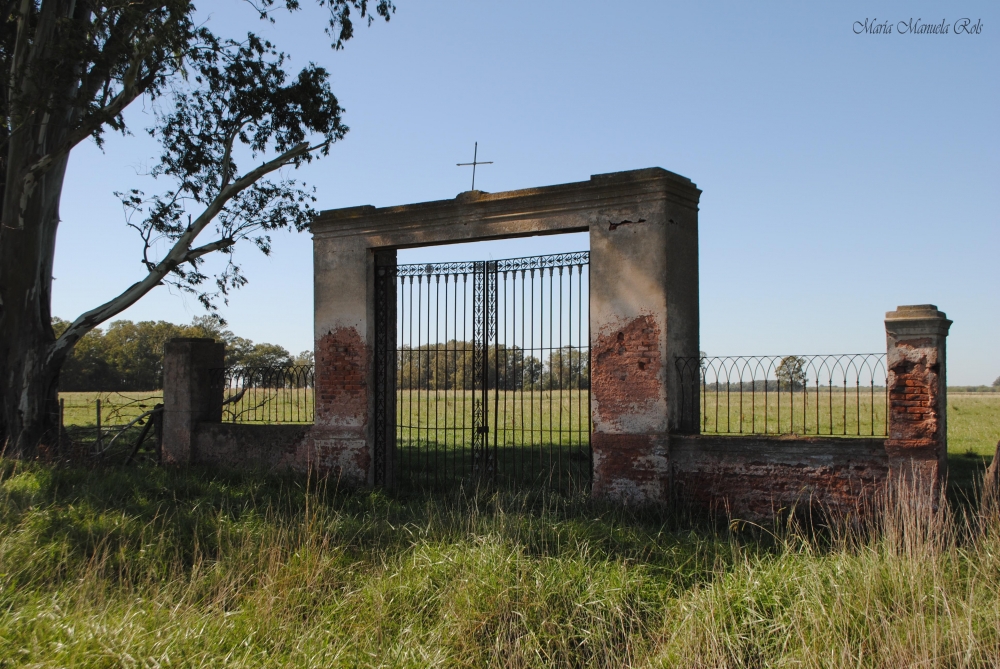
(342, 361)
(913, 388)
(626, 371)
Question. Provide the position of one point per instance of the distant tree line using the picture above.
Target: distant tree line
(129, 356)
(449, 366)
(995, 388)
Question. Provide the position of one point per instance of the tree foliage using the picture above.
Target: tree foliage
(229, 116)
(129, 356)
(449, 366)
(791, 372)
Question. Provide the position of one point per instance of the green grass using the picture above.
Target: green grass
(527, 419)
(80, 409)
(816, 411)
(973, 433)
(270, 405)
(117, 411)
(144, 567)
(973, 423)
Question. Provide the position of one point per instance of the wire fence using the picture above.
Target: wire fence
(280, 394)
(101, 422)
(837, 395)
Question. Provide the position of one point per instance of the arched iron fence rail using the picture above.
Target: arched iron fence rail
(838, 395)
(280, 394)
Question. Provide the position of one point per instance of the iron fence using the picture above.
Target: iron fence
(839, 395)
(279, 394)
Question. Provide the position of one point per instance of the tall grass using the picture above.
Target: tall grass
(147, 567)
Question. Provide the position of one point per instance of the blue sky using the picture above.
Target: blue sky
(842, 174)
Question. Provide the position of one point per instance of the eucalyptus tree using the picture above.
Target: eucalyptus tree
(70, 69)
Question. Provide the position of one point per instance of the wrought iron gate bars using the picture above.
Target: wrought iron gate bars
(385, 373)
(427, 440)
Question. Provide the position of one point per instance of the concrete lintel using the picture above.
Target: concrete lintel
(550, 209)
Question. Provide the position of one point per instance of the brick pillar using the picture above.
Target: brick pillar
(643, 314)
(918, 429)
(340, 443)
(189, 394)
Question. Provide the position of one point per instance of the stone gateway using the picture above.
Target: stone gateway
(642, 317)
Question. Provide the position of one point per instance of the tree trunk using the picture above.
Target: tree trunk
(29, 373)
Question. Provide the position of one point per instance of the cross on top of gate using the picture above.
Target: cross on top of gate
(474, 162)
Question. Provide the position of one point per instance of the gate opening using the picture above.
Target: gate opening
(482, 373)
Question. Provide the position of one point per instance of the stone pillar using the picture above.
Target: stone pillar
(191, 394)
(344, 332)
(918, 429)
(643, 314)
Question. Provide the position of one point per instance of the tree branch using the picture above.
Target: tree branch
(124, 98)
(217, 245)
(179, 253)
(227, 155)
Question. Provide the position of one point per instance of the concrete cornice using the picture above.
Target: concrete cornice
(917, 320)
(602, 191)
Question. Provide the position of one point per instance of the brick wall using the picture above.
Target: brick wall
(758, 476)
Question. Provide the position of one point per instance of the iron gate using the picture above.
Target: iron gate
(482, 372)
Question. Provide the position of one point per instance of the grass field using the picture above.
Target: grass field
(529, 418)
(973, 433)
(116, 408)
(149, 567)
(146, 566)
(560, 417)
(973, 423)
(269, 405)
(973, 418)
(819, 411)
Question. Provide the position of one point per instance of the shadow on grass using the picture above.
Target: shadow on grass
(151, 522)
(965, 477)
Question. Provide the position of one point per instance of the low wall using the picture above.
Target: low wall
(297, 448)
(245, 445)
(750, 476)
(757, 476)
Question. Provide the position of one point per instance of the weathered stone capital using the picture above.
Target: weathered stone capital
(917, 320)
